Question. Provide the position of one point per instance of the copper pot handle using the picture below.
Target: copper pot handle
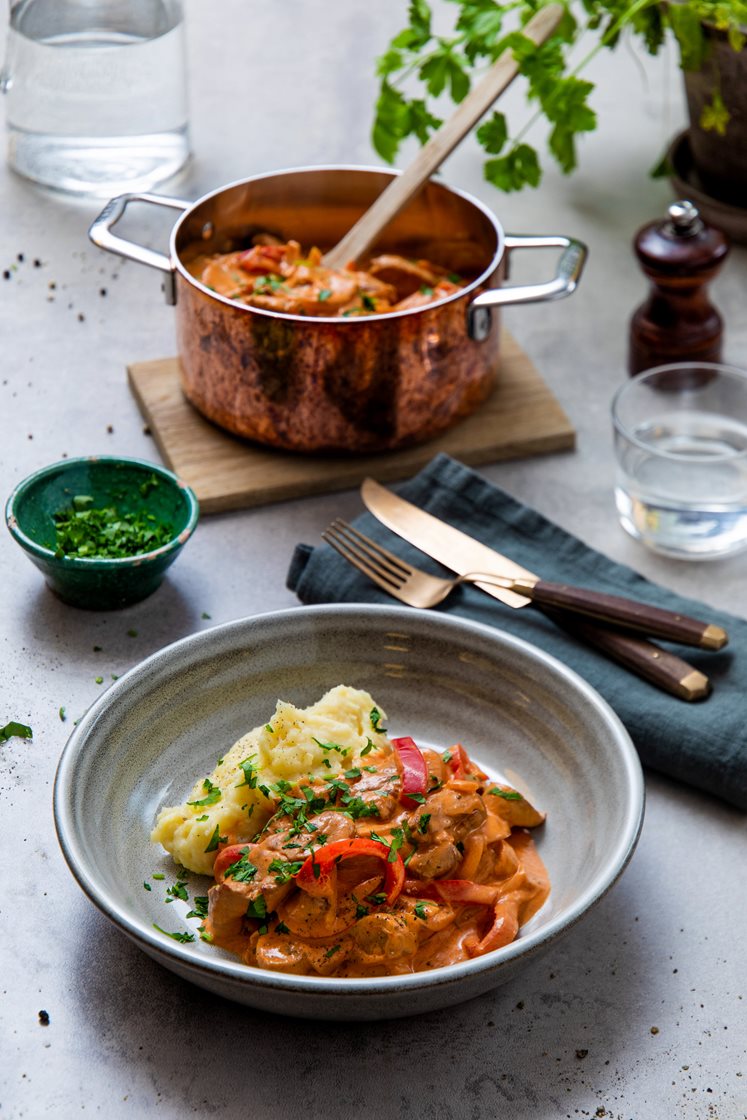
(101, 234)
(563, 283)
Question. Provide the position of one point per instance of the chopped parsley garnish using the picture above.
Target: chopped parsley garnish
(327, 763)
(99, 680)
(420, 910)
(284, 870)
(368, 302)
(361, 911)
(331, 952)
(62, 714)
(331, 747)
(419, 797)
(507, 794)
(324, 294)
(262, 283)
(241, 870)
(85, 532)
(370, 769)
(250, 771)
(14, 730)
(257, 908)
(183, 937)
(353, 773)
(376, 718)
(425, 290)
(368, 747)
(376, 899)
(423, 823)
(212, 792)
(200, 904)
(398, 839)
(158, 875)
(215, 840)
(149, 484)
(270, 728)
(204, 817)
(147, 886)
(446, 756)
(281, 927)
(179, 890)
(336, 786)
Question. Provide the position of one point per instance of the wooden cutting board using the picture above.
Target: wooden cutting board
(521, 418)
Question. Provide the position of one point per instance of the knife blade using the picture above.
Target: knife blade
(463, 554)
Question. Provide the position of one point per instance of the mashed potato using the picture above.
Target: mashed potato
(237, 799)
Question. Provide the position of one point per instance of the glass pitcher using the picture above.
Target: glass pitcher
(96, 93)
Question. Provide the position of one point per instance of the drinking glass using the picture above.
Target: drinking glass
(96, 93)
(681, 447)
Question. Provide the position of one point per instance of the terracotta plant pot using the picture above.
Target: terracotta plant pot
(720, 160)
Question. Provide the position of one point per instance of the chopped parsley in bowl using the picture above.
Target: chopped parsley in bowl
(103, 530)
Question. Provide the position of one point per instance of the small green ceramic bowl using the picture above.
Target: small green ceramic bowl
(132, 486)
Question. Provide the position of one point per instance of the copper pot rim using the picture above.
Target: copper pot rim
(354, 321)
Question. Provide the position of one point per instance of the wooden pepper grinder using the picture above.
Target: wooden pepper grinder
(677, 322)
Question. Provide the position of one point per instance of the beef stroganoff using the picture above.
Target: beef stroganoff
(336, 850)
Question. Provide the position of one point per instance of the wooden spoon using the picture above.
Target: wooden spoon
(365, 231)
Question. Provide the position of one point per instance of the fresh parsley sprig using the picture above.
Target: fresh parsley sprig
(422, 64)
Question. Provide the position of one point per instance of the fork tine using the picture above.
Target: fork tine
(359, 561)
(382, 556)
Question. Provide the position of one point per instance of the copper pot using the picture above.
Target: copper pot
(359, 384)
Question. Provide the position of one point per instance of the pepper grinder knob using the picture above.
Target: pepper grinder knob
(677, 322)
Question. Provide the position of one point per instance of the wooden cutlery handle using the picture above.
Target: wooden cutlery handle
(656, 621)
(663, 669)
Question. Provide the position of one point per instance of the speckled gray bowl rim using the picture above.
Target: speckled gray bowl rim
(99, 563)
(621, 850)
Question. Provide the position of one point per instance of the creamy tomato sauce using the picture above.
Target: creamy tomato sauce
(412, 860)
(281, 277)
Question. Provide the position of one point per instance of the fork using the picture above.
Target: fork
(420, 589)
(408, 584)
(417, 588)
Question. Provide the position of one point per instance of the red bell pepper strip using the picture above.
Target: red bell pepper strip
(459, 761)
(315, 871)
(414, 771)
(461, 765)
(503, 928)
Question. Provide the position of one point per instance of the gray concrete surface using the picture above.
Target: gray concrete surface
(639, 1014)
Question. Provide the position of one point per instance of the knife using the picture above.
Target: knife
(463, 554)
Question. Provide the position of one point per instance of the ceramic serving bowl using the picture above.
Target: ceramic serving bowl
(521, 714)
(130, 485)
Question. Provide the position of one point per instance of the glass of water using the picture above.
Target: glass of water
(96, 93)
(681, 449)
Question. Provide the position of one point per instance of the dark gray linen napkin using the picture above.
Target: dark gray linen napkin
(703, 744)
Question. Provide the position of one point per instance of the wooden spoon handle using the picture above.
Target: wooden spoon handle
(654, 621)
(431, 156)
